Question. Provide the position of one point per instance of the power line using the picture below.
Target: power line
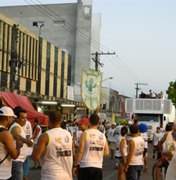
(48, 12)
(71, 29)
(96, 59)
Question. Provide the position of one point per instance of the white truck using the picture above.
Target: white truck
(153, 112)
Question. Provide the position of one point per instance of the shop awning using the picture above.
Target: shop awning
(13, 100)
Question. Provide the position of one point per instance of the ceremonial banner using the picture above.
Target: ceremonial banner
(91, 88)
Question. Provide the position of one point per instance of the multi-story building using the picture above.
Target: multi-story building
(67, 26)
(30, 64)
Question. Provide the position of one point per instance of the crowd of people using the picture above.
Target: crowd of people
(79, 149)
(151, 94)
(132, 162)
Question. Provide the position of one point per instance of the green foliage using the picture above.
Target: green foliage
(171, 92)
(123, 122)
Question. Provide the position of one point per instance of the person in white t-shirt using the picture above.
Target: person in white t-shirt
(82, 126)
(28, 131)
(93, 146)
(134, 163)
(37, 131)
(121, 150)
(55, 148)
(18, 132)
(8, 151)
(111, 140)
(156, 138)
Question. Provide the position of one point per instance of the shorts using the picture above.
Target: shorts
(134, 172)
(119, 160)
(90, 173)
(162, 163)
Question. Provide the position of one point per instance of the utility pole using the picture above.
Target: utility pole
(137, 87)
(96, 59)
(14, 62)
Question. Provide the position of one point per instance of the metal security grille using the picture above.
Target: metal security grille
(149, 106)
(129, 105)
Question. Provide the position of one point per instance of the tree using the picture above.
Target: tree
(171, 92)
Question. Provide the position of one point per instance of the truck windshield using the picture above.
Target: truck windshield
(148, 117)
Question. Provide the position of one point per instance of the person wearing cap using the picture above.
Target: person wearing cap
(82, 126)
(8, 151)
(18, 132)
(93, 146)
(54, 147)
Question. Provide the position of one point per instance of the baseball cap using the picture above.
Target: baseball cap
(83, 121)
(6, 111)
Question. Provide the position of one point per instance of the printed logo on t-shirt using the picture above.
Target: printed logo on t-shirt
(66, 139)
(101, 137)
(96, 144)
(61, 152)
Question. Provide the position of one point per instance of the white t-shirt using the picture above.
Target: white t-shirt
(145, 137)
(94, 149)
(57, 160)
(39, 130)
(28, 131)
(24, 151)
(118, 150)
(111, 136)
(171, 175)
(170, 144)
(6, 165)
(78, 136)
(156, 138)
(137, 157)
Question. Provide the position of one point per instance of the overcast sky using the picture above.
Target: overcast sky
(143, 35)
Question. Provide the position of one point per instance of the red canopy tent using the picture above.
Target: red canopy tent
(13, 100)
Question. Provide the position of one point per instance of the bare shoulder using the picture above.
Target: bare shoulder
(5, 136)
(16, 129)
(43, 138)
(131, 142)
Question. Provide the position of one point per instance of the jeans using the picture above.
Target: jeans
(17, 170)
(134, 172)
(26, 167)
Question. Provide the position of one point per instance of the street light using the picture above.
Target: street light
(107, 79)
(39, 24)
